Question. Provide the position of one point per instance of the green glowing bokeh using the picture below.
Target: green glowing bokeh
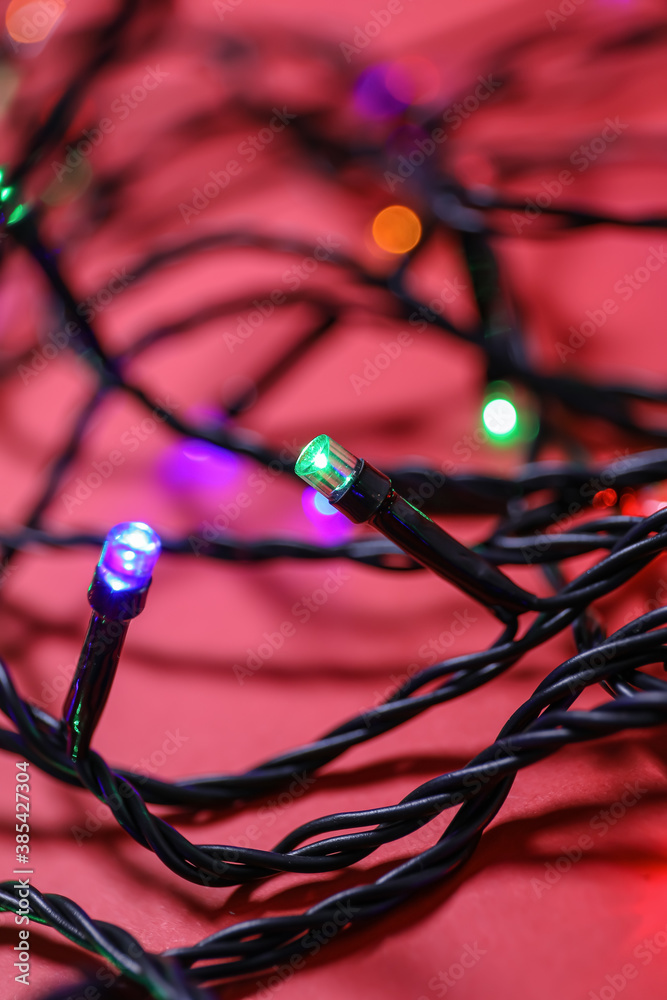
(499, 417)
(17, 214)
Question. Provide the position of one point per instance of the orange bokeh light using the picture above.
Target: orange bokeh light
(397, 229)
(33, 20)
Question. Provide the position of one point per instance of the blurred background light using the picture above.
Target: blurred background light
(397, 229)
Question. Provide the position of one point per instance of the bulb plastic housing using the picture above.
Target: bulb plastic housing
(326, 465)
(129, 555)
(364, 494)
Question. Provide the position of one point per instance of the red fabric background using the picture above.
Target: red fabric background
(176, 674)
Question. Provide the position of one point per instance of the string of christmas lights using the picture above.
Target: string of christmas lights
(525, 536)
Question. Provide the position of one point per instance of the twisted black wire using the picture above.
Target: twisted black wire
(541, 726)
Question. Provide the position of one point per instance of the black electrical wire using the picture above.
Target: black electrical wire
(199, 864)
(542, 725)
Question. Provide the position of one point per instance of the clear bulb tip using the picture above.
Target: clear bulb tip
(326, 465)
(129, 555)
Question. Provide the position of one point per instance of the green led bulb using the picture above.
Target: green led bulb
(499, 417)
(326, 465)
(5, 193)
(17, 214)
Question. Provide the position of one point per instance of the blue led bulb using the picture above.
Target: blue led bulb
(130, 552)
(117, 594)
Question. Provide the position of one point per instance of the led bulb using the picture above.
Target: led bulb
(499, 417)
(17, 214)
(326, 465)
(130, 552)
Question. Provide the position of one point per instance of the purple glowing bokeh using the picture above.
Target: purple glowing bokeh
(196, 464)
(373, 96)
(330, 523)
